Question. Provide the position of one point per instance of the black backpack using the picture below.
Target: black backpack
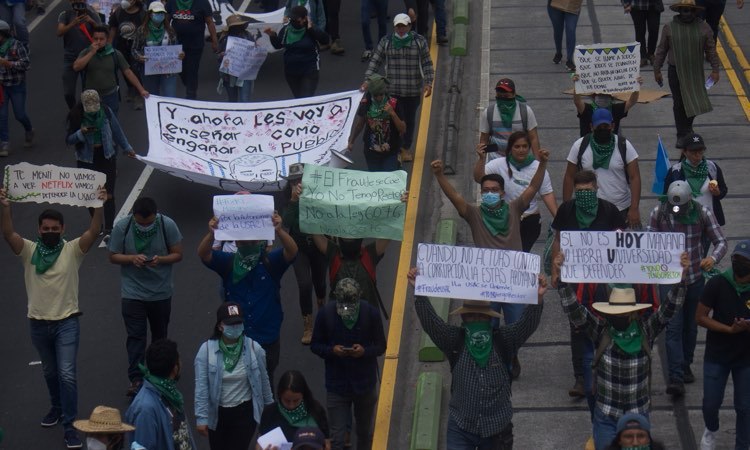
(621, 146)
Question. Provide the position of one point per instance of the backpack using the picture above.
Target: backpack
(621, 146)
(366, 263)
(523, 112)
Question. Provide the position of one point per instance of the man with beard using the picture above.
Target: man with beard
(685, 42)
(51, 275)
(252, 278)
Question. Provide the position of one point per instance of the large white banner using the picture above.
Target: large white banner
(26, 182)
(244, 217)
(246, 146)
(621, 257)
(477, 274)
(608, 68)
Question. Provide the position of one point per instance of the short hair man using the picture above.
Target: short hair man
(50, 267)
(73, 25)
(145, 245)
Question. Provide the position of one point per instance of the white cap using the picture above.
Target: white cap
(401, 19)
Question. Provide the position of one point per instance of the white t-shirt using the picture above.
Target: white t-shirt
(612, 184)
(519, 181)
(499, 133)
(235, 388)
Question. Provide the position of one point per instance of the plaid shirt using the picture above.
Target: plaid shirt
(644, 5)
(693, 234)
(18, 57)
(406, 68)
(622, 380)
(480, 397)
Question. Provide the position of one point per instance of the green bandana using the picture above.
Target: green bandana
(167, 387)
(5, 47)
(245, 260)
(496, 219)
(478, 339)
(602, 153)
(143, 238)
(695, 176)
(740, 288)
(155, 33)
(520, 165)
(376, 109)
(691, 216)
(95, 121)
(44, 257)
(587, 206)
(350, 319)
(640, 447)
(507, 108)
(105, 51)
(231, 353)
(293, 35)
(297, 417)
(401, 42)
(629, 340)
(184, 5)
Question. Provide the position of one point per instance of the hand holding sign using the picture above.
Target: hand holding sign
(607, 68)
(25, 182)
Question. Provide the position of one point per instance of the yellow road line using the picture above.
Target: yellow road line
(734, 80)
(735, 48)
(390, 365)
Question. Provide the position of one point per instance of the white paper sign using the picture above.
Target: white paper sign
(244, 217)
(608, 68)
(477, 274)
(258, 22)
(25, 182)
(162, 59)
(621, 257)
(246, 146)
(242, 59)
(274, 437)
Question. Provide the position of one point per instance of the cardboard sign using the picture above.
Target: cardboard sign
(621, 257)
(242, 59)
(25, 182)
(244, 217)
(162, 59)
(608, 68)
(352, 203)
(477, 274)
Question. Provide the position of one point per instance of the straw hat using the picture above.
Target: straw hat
(236, 19)
(477, 307)
(103, 420)
(621, 301)
(684, 4)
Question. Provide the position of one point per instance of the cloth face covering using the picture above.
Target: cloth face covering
(231, 353)
(587, 205)
(629, 340)
(507, 108)
(349, 313)
(478, 340)
(695, 175)
(495, 218)
(48, 248)
(245, 260)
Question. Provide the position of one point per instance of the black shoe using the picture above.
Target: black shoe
(52, 418)
(442, 40)
(577, 390)
(515, 369)
(688, 377)
(72, 440)
(676, 388)
(571, 67)
(557, 58)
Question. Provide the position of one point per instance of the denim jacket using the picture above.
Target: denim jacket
(209, 369)
(111, 134)
(152, 420)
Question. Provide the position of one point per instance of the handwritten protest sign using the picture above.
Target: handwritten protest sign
(162, 59)
(621, 257)
(608, 68)
(244, 217)
(242, 59)
(258, 22)
(25, 182)
(477, 273)
(246, 146)
(352, 203)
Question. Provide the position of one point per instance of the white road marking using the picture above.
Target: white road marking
(134, 193)
(39, 19)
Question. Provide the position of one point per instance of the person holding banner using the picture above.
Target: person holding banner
(301, 40)
(75, 26)
(252, 278)
(480, 413)
(156, 31)
(679, 213)
(237, 90)
(623, 340)
(51, 275)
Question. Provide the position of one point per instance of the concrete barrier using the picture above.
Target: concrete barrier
(459, 39)
(426, 423)
(461, 12)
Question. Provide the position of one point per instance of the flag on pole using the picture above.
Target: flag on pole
(660, 169)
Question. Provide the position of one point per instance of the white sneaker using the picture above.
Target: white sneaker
(708, 441)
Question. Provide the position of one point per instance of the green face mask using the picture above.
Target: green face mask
(639, 447)
(628, 340)
(478, 340)
(587, 205)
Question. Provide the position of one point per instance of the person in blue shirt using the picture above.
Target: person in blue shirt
(251, 277)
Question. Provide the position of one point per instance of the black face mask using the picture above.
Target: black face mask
(687, 16)
(602, 135)
(350, 248)
(619, 322)
(50, 239)
(298, 25)
(740, 269)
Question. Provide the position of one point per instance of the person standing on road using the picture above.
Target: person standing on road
(508, 114)
(50, 267)
(14, 62)
(145, 245)
(368, 8)
(124, 23)
(712, 12)
(564, 19)
(646, 15)
(480, 412)
(13, 12)
(349, 336)
(679, 213)
(316, 13)
(422, 11)
(332, 9)
(156, 31)
(408, 66)
(685, 43)
(237, 90)
(724, 310)
(76, 26)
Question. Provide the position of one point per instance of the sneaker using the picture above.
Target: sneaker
(577, 389)
(52, 418)
(676, 388)
(688, 377)
(366, 55)
(442, 40)
(571, 67)
(28, 139)
(4, 148)
(557, 58)
(708, 441)
(515, 369)
(72, 440)
(337, 48)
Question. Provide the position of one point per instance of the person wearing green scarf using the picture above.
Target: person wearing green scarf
(509, 113)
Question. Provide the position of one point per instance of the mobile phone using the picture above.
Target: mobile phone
(492, 148)
(149, 259)
(347, 349)
(709, 83)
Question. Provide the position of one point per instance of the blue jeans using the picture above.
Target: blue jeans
(381, 10)
(459, 439)
(16, 95)
(340, 414)
(605, 429)
(682, 330)
(240, 94)
(714, 381)
(15, 16)
(56, 341)
(164, 85)
(562, 21)
(112, 100)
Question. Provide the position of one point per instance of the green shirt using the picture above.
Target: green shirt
(100, 72)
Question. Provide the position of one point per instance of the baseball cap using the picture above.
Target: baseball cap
(632, 421)
(157, 6)
(347, 291)
(679, 193)
(742, 249)
(600, 116)
(401, 19)
(90, 100)
(229, 313)
(506, 85)
(309, 437)
(694, 141)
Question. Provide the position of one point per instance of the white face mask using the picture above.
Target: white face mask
(95, 444)
(125, 4)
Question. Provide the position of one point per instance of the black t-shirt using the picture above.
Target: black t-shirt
(272, 418)
(725, 348)
(75, 40)
(127, 25)
(584, 118)
(190, 24)
(608, 218)
(379, 132)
